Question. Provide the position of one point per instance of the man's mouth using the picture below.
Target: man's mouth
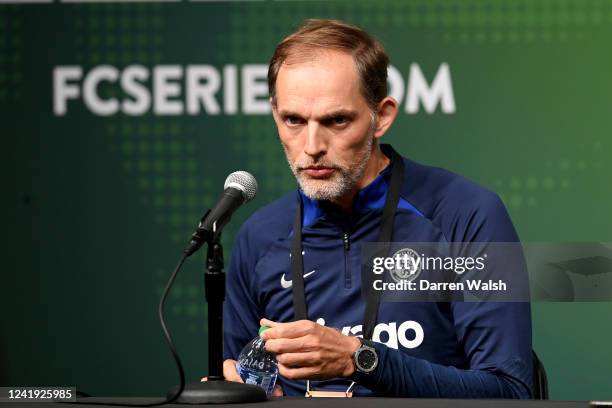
(318, 172)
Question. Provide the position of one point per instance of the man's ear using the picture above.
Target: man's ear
(387, 112)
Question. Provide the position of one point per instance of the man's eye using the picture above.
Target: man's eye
(293, 120)
(339, 120)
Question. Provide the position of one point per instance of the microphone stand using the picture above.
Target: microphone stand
(216, 390)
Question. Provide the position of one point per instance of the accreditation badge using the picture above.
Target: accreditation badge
(329, 394)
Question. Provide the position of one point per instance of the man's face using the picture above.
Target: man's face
(324, 124)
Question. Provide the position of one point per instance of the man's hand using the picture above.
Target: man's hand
(307, 350)
(230, 374)
(229, 371)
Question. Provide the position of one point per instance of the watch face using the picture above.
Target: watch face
(366, 359)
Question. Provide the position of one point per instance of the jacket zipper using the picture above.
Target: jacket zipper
(347, 260)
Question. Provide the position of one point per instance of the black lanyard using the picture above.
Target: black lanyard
(386, 231)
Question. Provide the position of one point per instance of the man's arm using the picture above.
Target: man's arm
(241, 312)
(495, 336)
(401, 375)
(307, 350)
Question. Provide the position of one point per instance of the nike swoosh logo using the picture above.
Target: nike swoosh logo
(286, 284)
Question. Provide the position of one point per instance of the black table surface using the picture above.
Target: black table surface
(286, 402)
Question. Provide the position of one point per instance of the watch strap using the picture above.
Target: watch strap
(366, 342)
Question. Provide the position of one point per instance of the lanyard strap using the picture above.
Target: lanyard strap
(300, 312)
(300, 309)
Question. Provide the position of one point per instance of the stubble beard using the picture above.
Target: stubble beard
(342, 180)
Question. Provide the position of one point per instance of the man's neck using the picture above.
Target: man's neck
(378, 161)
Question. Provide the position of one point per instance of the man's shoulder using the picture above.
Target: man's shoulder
(272, 221)
(427, 185)
(453, 202)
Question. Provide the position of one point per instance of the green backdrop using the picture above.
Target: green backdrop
(96, 209)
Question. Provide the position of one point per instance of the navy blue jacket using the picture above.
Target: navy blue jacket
(440, 350)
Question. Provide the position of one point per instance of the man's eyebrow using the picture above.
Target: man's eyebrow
(348, 113)
(286, 113)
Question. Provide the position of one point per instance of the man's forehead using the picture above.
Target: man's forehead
(326, 81)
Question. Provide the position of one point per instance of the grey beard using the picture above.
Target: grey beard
(343, 180)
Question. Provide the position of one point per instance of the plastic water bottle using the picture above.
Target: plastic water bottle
(256, 365)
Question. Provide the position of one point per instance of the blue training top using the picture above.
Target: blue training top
(438, 350)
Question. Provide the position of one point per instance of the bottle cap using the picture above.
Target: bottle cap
(263, 329)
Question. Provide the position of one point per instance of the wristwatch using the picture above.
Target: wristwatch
(365, 358)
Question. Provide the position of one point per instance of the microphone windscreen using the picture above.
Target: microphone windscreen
(243, 181)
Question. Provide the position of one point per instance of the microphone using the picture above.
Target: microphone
(240, 188)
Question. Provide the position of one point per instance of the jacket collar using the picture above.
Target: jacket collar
(371, 197)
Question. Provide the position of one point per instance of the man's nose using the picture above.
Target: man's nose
(315, 144)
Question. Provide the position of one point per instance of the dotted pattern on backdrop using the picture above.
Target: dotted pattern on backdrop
(11, 53)
(164, 166)
(119, 34)
(522, 193)
(159, 155)
(481, 21)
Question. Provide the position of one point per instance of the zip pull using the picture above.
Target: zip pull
(347, 243)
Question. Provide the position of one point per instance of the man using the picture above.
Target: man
(328, 90)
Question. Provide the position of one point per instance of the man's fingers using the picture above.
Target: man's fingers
(269, 323)
(288, 330)
(301, 344)
(299, 359)
(229, 371)
(298, 373)
(277, 391)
